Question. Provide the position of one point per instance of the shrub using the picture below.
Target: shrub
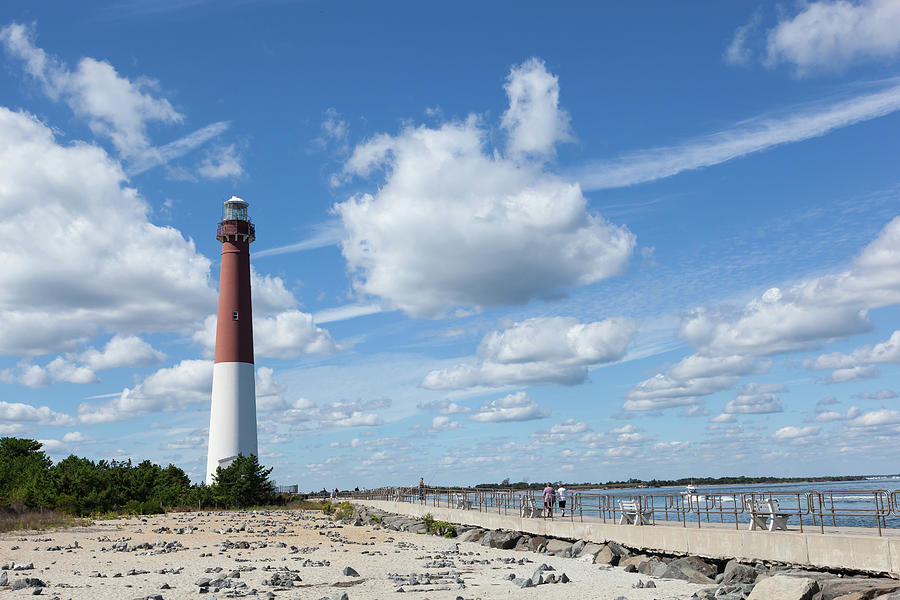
(344, 511)
(441, 528)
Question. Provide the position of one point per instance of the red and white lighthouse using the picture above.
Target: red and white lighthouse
(232, 417)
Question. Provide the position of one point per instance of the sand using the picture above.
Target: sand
(315, 550)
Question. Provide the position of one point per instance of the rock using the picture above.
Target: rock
(4, 578)
(654, 566)
(589, 549)
(736, 572)
(564, 578)
(870, 587)
(606, 556)
(650, 584)
(631, 569)
(522, 543)
(635, 560)
(784, 587)
(536, 542)
(351, 572)
(577, 546)
(559, 547)
(505, 540)
(340, 596)
(691, 568)
(202, 582)
(523, 582)
(471, 535)
(620, 551)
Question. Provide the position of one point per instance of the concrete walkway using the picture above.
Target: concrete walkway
(854, 548)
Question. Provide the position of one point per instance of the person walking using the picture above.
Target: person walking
(561, 498)
(549, 500)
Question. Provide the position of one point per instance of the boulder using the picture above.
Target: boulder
(618, 549)
(606, 556)
(634, 561)
(655, 567)
(472, 535)
(505, 540)
(577, 546)
(784, 587)
(589, 549)
(691, 568)
(868, 587)
(736, 572)
(559, 547)
(536, 542)
(522, 543)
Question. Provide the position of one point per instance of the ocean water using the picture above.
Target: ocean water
(844, 503)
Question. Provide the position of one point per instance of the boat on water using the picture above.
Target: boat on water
(690, 492)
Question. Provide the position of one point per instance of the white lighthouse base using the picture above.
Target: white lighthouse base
(232, 418)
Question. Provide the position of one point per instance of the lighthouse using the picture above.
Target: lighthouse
(232, 415)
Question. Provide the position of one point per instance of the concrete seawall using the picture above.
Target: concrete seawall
(851, 549)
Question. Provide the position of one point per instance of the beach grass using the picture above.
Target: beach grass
(37, 520)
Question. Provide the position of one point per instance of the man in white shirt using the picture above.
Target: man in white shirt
(561, 498)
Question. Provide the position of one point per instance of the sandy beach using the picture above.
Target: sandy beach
(289, 554)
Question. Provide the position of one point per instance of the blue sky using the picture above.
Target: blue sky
(493, 241)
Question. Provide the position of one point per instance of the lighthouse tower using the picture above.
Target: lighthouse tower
(232, 417)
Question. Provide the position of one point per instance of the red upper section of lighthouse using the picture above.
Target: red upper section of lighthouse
(235, 228)
(234, 323)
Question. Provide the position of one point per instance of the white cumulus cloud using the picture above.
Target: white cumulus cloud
(76, 262)
(539, 350)
(455, 224)
(513, 407)
(829, 35)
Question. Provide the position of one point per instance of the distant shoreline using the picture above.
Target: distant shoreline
(697, 481)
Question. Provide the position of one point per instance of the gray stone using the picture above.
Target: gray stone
(505, 540)
(634, 561)
(691, 568)
(589, 549)
(523, 543)
(618, 549)
(351, 572)
(784, 587)
(606, 556)
(523, 582)
(736, 572)
(536, 542)
(471, 535)
(202, 582)
(559, 547)
(339, 596)
(869, 587)
(577, 546)
(3, 578)
(654, 566)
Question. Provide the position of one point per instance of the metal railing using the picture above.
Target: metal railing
(818, 509)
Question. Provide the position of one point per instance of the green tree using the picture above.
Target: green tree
(24, 473)
(243, 483)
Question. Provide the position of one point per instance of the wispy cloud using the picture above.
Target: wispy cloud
(754, 135)
(169, 152)
(325, 234)
(342, 313)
